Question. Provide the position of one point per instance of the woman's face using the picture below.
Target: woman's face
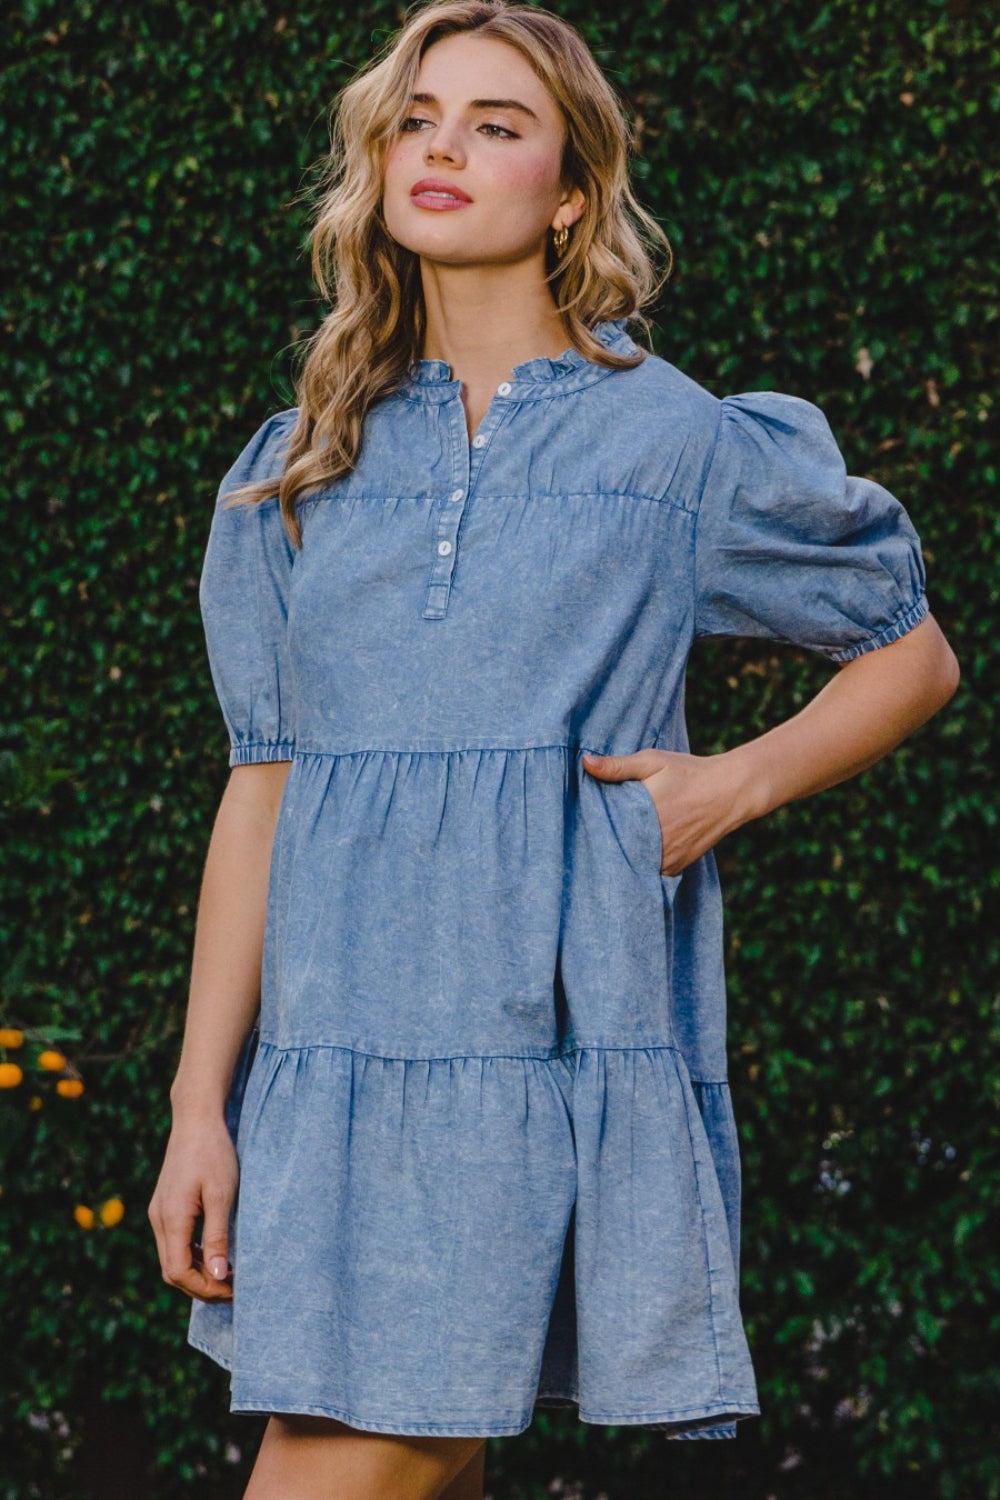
(485, 131)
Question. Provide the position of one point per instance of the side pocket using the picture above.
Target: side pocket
(650, 820)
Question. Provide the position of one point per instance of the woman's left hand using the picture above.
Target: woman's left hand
(698, 798)
(867, 708)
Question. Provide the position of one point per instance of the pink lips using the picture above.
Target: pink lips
(429, 193)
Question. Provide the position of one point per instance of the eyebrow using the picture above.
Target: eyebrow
(480, 103)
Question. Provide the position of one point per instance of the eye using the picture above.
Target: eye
(412, 124)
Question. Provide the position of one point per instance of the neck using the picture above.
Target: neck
(481, 321)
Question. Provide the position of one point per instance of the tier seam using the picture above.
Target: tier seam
(484, 1056)
(453, 749)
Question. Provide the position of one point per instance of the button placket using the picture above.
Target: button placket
(448, 517)
(447, 513)
(451, 508)
(495, 417)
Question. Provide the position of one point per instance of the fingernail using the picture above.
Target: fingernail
(588, 755)
(219, 1267)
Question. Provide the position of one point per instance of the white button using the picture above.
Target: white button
(456, 494)
(478, 441)
(444, 548)
(504, 390)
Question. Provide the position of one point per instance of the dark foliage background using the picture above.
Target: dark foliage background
(829, 177)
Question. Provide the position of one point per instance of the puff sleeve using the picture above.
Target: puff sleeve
(790, 547)
(244, 594)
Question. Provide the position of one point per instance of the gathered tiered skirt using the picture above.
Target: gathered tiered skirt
(476, 1174)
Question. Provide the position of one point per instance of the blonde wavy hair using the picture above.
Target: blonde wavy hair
(364, 348)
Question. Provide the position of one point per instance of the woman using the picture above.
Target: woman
(481, 1126)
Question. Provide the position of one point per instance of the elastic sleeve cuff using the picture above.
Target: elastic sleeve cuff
(899, 627)
(261, 752)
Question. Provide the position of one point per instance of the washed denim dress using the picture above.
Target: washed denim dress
(487, 1151)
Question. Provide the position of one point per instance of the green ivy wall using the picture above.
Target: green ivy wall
(829, 178)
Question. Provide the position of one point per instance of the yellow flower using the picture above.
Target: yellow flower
(111, 1212)
(84, 1216)
(70, 1088)
(51, 1061)
(10, 1075)
(9, 1037)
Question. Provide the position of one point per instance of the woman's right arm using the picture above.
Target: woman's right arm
(200, 1169)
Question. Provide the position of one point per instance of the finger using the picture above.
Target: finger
(215, 1240)
(632, 767)
(181, 1261)
(208, 1288)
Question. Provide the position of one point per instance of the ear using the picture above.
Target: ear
(575, 202)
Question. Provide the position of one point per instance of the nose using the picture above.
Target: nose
(443, 144)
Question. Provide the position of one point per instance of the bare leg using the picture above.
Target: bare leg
(317, 1458)
(469, 1484)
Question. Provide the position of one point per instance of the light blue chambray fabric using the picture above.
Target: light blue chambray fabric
(488, 1158)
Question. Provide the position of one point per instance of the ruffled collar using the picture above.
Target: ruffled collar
(430, 379)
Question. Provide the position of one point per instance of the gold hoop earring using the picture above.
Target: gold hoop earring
(560, 240)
